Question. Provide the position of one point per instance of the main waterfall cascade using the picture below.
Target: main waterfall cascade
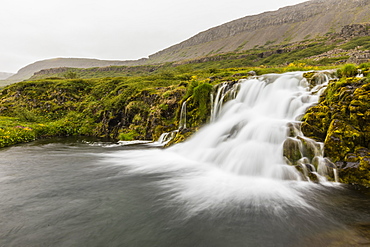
(250, 123)
(237, 160)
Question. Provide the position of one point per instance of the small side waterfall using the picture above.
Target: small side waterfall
(165, 138)
(182, 122)
(224, 92)
(307, 156)
(168, 136)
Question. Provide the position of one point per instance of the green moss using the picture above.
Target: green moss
(202, 98)
(341, 139)
(342, 121)
(181, 136)
(356, 168)
(348, 70)
(363, 42)
(291, 150)
(309, 75)
(130, 136)
(163, 106)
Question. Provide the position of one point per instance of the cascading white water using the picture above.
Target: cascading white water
(168, 136)
(182, 122)
(237, 159)
(165, 138)
(225, 92)
(247, 133)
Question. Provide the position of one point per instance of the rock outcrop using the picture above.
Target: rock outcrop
(355, 30)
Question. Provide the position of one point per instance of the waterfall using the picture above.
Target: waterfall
(248, 130)
(224, 92)
(168, 136)
(182, 122)
(237, 160)
(255, 129)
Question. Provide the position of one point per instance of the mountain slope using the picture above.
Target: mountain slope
(5, 75)
(289, 24)
(27, 71)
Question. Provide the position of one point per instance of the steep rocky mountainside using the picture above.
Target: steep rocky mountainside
(289, 24)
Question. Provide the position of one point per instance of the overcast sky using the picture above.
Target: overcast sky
(33, 30)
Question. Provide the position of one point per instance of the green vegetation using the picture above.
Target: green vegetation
(70, 75)
(298, 54)
(13, 131)
(362, 42)
(341, 121)
(81, 106)
(348, 70)
(96, 72)
(274, 57)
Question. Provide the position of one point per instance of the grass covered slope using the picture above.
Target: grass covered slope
(95, 107)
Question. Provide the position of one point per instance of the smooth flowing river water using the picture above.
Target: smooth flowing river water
(229, 185)
(68, 192)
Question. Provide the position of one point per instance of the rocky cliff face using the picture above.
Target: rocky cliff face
(294, 23)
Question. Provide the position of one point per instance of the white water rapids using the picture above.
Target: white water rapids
(247, 136)
(237, 159)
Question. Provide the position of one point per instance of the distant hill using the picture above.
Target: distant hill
(289, 24)
(28, 71)
(5, 75)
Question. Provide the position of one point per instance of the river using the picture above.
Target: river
(68, 192)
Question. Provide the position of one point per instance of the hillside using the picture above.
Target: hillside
(27, 71)
(5, 75)
(351, 45)
(307, 20)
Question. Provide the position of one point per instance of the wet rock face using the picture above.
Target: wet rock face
(342, 121)
(291, 150)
